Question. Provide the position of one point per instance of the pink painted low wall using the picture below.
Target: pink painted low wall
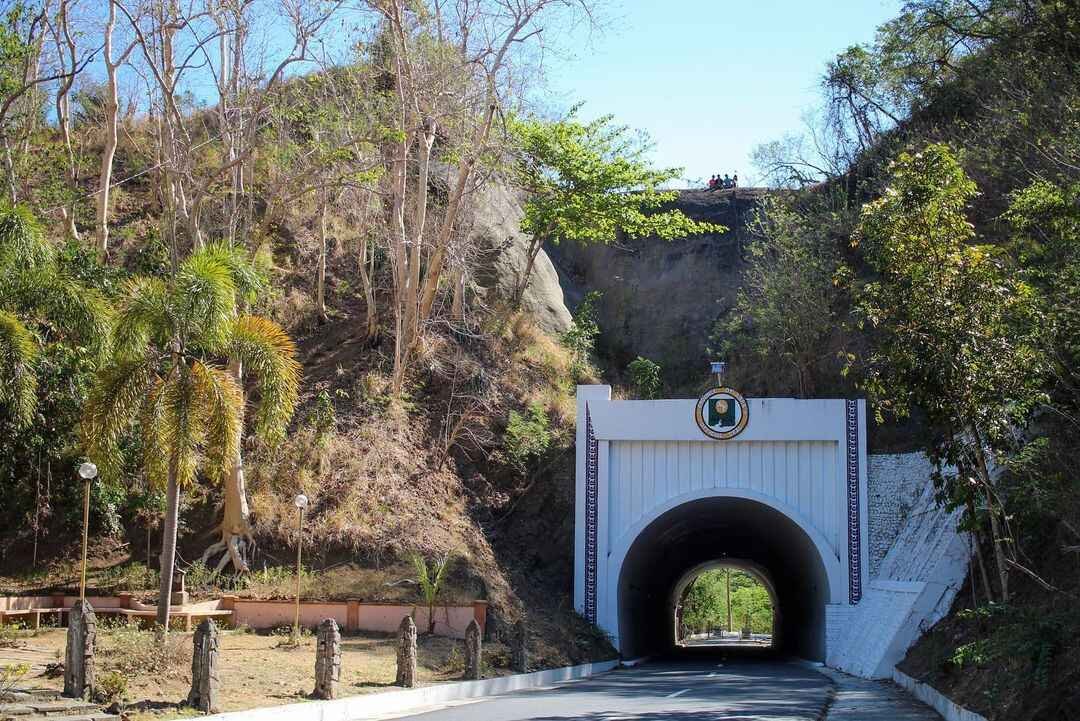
(450, 621)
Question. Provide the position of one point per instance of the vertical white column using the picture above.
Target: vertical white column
(607, 581)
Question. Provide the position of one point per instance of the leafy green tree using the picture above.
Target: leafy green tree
(54, 331)
(705, 603)
(1045, 218)
(587, 182)
(39, 304)
(645, 377)
(953, 331)
(164, 376)
(784, 325)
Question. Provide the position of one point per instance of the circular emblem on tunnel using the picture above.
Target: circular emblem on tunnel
(721, 413)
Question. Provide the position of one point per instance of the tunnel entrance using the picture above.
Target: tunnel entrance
(722, 530)
(726, 603)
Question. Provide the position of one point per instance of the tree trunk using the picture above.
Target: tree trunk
(235, 526)
(457, 307)
(320, 276)
(523, 281)
(976, 542)
(168, 548)
(112, 121)
(366, 266)
(63, 115)
(995, 524)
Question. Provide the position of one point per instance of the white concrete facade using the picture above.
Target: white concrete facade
(887, 561)
(638, 460)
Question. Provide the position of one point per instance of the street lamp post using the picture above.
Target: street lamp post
(300, 502)
(88, 472)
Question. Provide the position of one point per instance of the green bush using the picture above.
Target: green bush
(10, 675)
(580, 339)
(112, 686)
(976, 653)
(527, 436)
(9, 634)
(645, 377)
(129, 649)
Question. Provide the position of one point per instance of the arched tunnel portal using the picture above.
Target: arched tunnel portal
(708, 530)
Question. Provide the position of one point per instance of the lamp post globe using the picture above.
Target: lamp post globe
(87, 472)
(300, 502)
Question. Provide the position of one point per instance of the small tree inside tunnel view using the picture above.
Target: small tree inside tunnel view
(724, 599)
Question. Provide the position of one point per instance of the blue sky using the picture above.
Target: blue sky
(710, 80)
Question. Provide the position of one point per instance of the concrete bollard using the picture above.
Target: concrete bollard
(472, 651)
(327, 660)
(79, 655)
(406, 653)
(204, 673)
(520, 651)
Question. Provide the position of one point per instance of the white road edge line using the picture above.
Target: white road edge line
(677, 693)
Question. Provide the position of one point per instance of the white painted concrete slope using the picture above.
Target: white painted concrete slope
(916, 580)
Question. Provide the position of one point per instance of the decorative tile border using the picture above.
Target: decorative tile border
(592, 492)
(854, 531)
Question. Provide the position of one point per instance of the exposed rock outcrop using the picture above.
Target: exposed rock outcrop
(496, 230)
(661, 299)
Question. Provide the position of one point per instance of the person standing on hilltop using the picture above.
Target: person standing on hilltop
(735, 180)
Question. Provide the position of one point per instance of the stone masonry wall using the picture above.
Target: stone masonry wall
(894, 482)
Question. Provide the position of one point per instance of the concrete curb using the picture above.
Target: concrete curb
(949, 710)
(359, 707)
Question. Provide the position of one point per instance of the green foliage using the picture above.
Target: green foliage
(645, 377)
(112, 686)
(953, 328)
(9, 635)
(163, 374)
(587, 182)
(580, 338)
(10, 676)
(975, 653)
(131, 576)
(527, 436)
(782, 333)
(705, 607)
(1045, 219)
(322, 419)
(39, 304)
(429, 579)
(130, 650)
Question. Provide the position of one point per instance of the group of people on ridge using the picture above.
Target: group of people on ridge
(725, 183)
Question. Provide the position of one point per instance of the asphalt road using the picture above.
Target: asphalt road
(679, 690)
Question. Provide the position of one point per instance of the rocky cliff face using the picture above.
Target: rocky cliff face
(661, 299)
(496, 230)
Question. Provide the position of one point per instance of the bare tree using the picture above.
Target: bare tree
(112, 123)
(454, 67)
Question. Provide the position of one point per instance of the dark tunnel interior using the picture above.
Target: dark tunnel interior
(711, 530)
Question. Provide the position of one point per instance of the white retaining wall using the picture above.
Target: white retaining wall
(915, 580)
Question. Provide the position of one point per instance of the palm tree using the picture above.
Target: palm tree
(38, 304)
(165, 374)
